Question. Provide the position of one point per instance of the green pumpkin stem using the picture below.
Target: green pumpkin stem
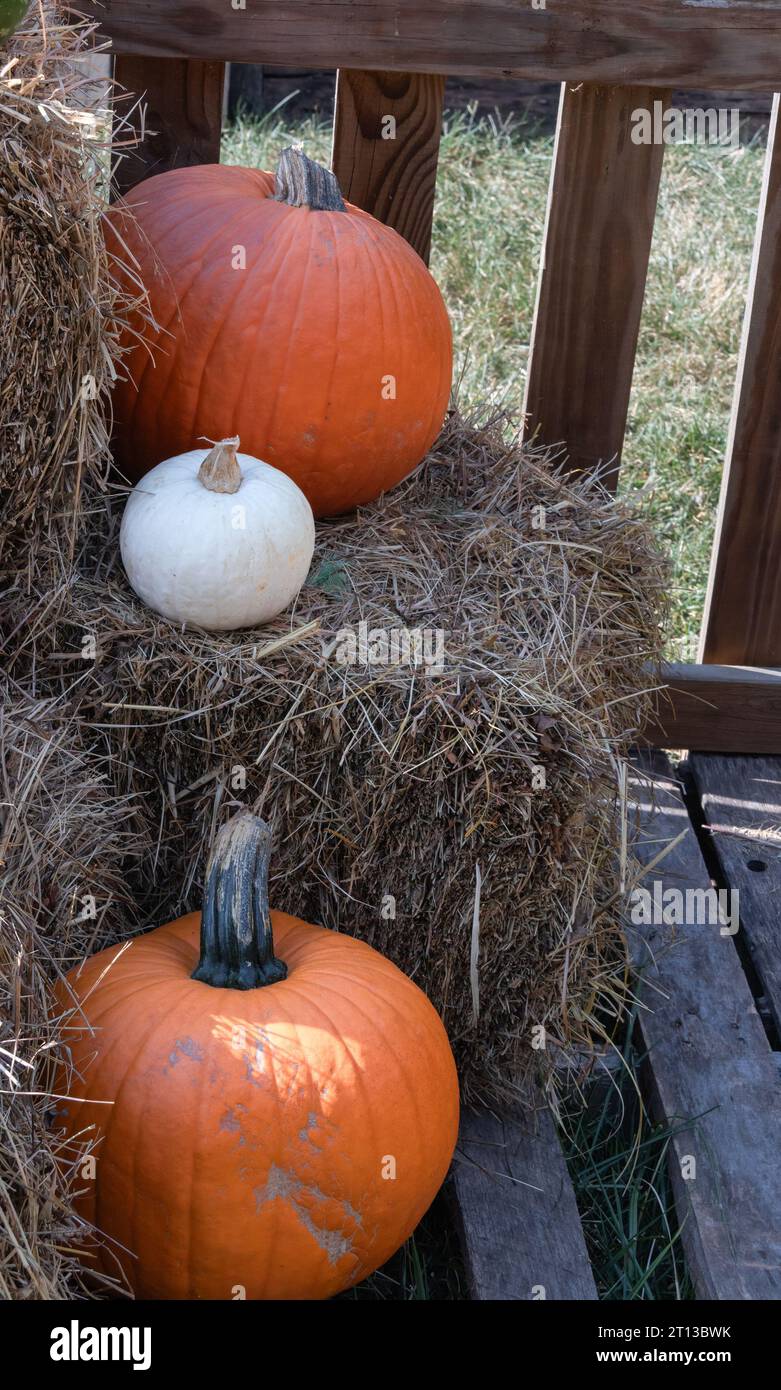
(237, 946)
(303, 184)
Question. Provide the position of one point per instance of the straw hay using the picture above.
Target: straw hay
(65, 837)
(64, 832)
(59, 313)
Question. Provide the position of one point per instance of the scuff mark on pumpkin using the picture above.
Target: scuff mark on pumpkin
(230, 1120)
(185, 1047)
(352, 1213)
(285, 1185)
(305, 1135)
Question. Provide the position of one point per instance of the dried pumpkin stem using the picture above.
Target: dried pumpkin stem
(237, 945)
(301, 183)
(220, 470)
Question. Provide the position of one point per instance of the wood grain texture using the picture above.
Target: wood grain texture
(182, 124)
(599, 224)
(393, 179)
(516, 1210)
(732, 44)
(742, 621)
(709, 1064)
(719, 709)
(741, 803)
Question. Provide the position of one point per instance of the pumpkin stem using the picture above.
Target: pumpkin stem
(303, 184)
(220, 471)
(237, 946)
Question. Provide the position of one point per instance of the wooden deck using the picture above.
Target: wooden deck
(710, 1016)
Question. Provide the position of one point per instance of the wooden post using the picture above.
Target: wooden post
(386, 146)
(599, 225)
(742, 620)
(183, 103)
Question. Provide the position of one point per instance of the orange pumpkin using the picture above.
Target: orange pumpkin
(296, 321)
(269, 1126)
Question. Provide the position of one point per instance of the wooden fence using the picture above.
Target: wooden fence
(612, 57)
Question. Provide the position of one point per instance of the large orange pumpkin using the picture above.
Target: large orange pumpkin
(295, 321)
(273, 1128)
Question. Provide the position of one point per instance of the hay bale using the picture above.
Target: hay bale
(65, 835)
(60, 313)
(400, 796)
(65, 841)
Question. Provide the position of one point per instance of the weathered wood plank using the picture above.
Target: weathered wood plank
(742, 621)
(732, 44)
(741, 802)
(520, 1229)
(599, 225)
(183, 115)
(720, 709)
(386, 146)
(709, 1063)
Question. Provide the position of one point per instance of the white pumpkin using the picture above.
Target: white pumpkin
(217, 538)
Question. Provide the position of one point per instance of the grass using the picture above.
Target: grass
(489, 216)
(618, 1163)
(491, 196)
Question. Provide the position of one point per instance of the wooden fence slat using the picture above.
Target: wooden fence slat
(599, 225)
(386, 145)
(516, 1210)
(742, 621)
(705, 45)
(183, 118)
(709, 1063)
(717, 709)
(741, 802)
